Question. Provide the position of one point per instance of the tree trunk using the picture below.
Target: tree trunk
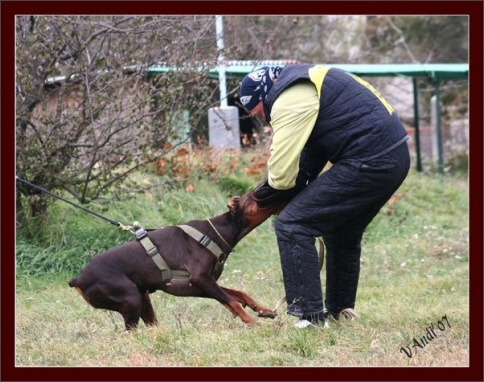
(20, 219)
(33, 216)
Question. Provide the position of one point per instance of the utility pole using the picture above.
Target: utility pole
(223, 121)
(220, 62)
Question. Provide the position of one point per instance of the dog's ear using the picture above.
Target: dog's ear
(233, 203)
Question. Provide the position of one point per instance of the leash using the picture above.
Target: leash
(140, 233)
(118, 224)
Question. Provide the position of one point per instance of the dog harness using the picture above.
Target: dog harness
(208, 243)
(166, 273)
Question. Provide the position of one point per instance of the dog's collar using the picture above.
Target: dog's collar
(219, 235)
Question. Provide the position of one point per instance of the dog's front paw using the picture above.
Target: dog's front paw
(267, 313)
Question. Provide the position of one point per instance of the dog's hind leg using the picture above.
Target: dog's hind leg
(246, 300)
(131, 308)
(147, 312)
(133, 305)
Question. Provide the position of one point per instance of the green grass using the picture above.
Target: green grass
(414, 270)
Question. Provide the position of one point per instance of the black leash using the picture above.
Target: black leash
(118, 224)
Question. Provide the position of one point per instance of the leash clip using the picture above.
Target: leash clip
(140, 231)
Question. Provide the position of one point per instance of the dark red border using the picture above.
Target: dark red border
(9, 8)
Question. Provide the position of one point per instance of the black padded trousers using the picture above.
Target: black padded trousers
(337, 206)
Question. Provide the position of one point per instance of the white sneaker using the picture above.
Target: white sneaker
(301, 324)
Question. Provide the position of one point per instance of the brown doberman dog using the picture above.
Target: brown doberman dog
(122, 278)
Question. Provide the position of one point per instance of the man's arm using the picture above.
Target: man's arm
(293, 116)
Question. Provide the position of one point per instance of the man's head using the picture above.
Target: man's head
(256, 85)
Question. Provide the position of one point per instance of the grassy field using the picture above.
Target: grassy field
(414, 281)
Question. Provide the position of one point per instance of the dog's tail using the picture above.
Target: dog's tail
(73, 282)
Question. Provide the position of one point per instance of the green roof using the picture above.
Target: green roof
(434, 71)
(440, 71)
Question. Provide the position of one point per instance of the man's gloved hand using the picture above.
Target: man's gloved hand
(266, 195)
(302, 180)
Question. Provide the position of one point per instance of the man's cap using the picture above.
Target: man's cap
(256, 85)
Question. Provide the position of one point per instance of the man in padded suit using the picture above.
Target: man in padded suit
(320, 114)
